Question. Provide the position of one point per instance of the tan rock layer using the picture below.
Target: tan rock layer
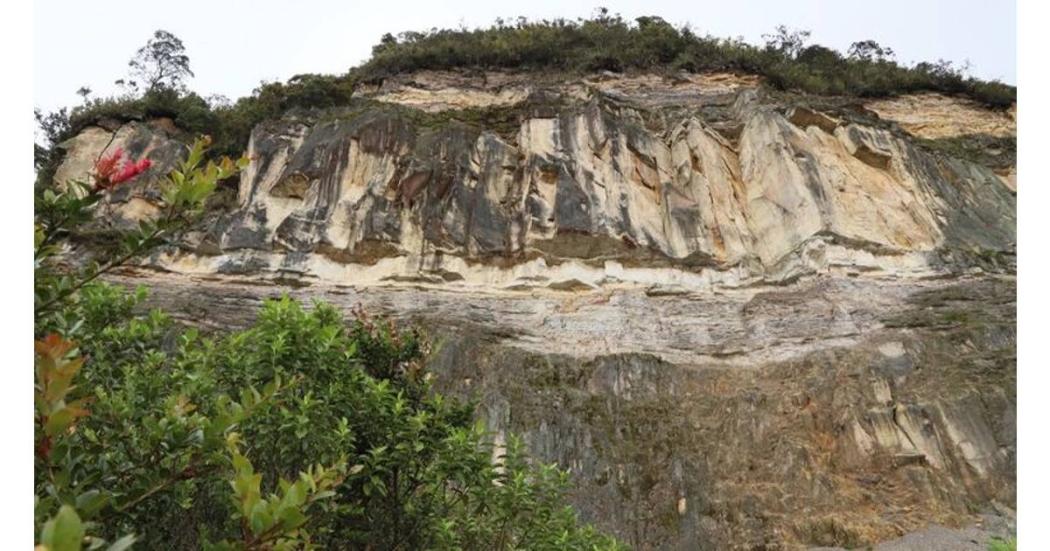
(936, 116)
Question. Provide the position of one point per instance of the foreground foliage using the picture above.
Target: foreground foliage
(304, 430)
(301, 430)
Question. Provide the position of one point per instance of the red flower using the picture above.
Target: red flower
(106, 166)
(115, 169)
(130, 170)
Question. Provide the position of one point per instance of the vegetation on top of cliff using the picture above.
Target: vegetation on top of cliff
(609, 42)
(155, 87)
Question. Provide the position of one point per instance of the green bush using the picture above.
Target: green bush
(650, 43)
(228, 125)
(418, 472)
(189, 111)
(270, 101)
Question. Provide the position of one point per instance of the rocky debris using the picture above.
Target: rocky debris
(1009, 178)
(941, 538)
(804, 117)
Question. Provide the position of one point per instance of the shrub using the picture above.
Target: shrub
(234, 123)
(408, 468)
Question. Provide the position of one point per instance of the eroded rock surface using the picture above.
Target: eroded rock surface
(938, 116)
(591, 192)
(742, 320)
(831, 412)
(695, 181)
(435, 91)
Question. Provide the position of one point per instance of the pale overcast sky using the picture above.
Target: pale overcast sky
(235, 44)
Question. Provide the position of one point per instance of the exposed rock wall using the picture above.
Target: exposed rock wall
(834, 411)
(594, 187)
(742, 319)
(937, 116)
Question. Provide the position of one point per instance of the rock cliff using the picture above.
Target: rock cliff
(742, 318)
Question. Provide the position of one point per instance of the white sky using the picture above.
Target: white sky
(235, 44)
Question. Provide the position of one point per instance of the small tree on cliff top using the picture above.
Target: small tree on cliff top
(869, 50)
(161, 63)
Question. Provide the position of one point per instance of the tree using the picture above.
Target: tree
(819, 57)
(387, 41)
(161, 63)
(52, 127)
(869, 50)
(84, 92)
(787, 42)
(218, 101)
(129, 86)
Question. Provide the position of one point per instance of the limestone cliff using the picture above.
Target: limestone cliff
(741, 318)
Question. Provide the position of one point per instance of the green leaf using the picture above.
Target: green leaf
(260, 518)
(58, 421)
(122, 544)
(64, 532)
(89, 502)
(291, 518)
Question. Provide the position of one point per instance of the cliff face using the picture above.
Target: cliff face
(740, 318)
(558, 183)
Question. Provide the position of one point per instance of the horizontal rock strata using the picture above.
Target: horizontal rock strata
(835, 411)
